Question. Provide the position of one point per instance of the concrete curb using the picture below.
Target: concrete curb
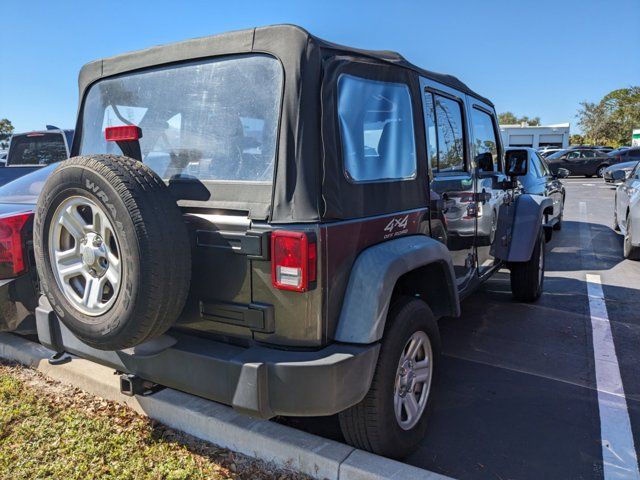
(219, 424)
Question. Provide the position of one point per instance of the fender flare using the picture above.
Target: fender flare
(522, 230)
(373, 278)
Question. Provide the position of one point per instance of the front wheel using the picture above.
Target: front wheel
(527, 278)
(391, 420)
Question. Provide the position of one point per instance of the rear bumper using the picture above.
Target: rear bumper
(258, 380)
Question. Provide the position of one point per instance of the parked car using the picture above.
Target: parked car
(540, 181)
(626, 167)
(601, 148)
(618, 150)
(545, 152)
(18, 277)
(32, 150)
(581, 161)
(626, 216)
(627, 155)
(232, 240)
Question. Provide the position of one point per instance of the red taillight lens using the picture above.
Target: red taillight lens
(293, 260)
(123, 133)
(12, 254)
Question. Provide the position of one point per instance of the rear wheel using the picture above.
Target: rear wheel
(391, 420)
(631, 252)
(527, 278)
(600, 171)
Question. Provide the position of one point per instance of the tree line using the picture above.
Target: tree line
(611, 120)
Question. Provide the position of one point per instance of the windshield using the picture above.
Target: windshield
(556, 154)
(26, 188)
(36, 149)
(211, 120)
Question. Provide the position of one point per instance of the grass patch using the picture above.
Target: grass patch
(52, 431)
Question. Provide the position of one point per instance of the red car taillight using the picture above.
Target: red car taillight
(293, 260)
(13, 259)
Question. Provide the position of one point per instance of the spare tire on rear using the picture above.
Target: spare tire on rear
(112, 250)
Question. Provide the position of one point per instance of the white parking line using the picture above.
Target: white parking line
(618, 449)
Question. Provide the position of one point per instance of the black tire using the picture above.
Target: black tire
(630, 252)
(371, 424)
(558, 225)
(527, 281)
(600, 170)
(156, 269)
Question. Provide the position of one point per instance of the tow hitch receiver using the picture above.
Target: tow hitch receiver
(131, 384)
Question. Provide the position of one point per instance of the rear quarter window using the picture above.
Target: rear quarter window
(376, 130)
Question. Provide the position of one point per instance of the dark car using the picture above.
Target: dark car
(581, 161)
(626, 167)
(233, 240)
(539, 180)
(33, 150)
(625, 155)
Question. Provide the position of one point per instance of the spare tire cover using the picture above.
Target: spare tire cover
(112, 250)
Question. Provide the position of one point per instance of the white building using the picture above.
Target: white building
(537, 137)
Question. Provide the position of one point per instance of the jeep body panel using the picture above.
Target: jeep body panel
(373, 279)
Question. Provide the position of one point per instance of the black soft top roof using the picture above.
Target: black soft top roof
(244, 40)
(309, 184)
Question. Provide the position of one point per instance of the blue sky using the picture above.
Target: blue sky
(536, 58)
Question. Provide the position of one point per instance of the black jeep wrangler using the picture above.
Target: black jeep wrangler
(276, 222)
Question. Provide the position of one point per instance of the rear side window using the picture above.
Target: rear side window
(36, 149)
(445, 137)
(376, 129)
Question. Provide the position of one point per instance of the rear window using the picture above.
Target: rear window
(36, 149)
(210, 120)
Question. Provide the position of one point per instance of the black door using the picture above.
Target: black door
(452, 182)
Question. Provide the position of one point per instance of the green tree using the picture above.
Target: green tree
(508, 118)
(576, 139)
(6, 128)
(611, 120)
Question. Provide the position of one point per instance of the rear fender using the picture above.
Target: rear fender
(373, 280)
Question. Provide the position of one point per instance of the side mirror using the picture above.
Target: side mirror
(516, 162)
(619, 175)
(563, 173)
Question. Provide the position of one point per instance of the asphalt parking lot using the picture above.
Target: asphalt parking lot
(518, 389)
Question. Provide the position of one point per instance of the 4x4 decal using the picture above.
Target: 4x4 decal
(397, 223)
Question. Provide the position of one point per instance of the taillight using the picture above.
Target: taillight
(12, 255)
(293, 260)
